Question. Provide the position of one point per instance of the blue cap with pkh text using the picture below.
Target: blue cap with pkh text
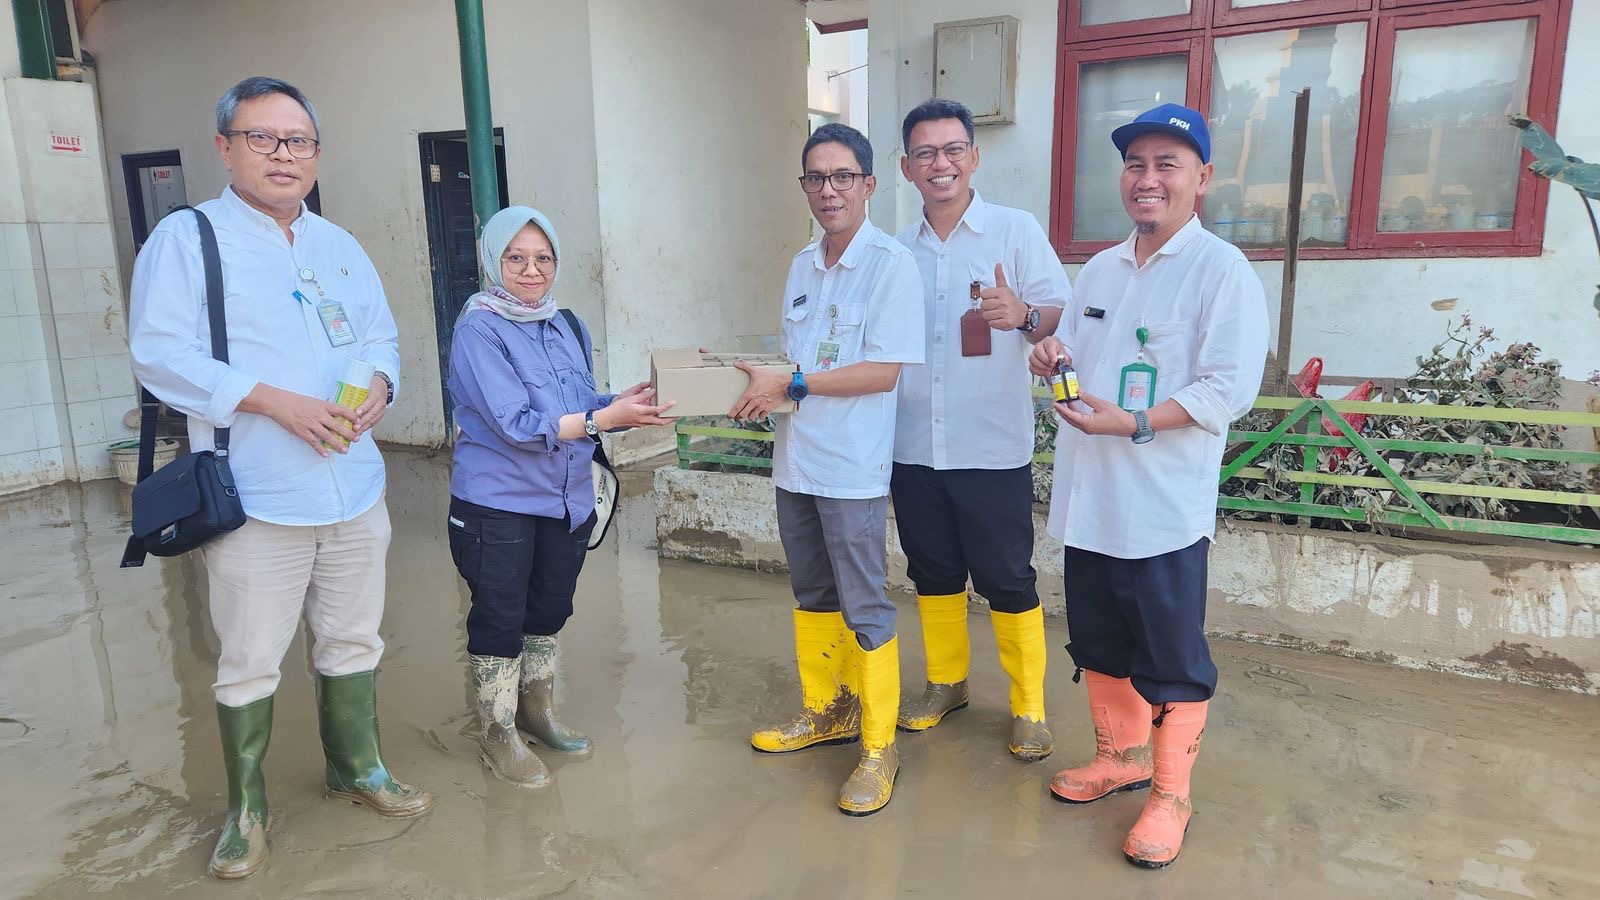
(1168, 118)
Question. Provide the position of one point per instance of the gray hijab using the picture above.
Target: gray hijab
(498, 232)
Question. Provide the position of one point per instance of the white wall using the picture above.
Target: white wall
(700, 114)
(378, 80)
(1363, 317)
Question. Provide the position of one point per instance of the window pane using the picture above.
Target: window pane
(1252, 133)
(1450, 161)
(1100, 12)
(1112, 94)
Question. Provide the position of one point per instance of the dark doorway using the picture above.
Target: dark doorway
(452, 239)
(155, 188)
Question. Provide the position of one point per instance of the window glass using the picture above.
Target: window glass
(1253, 84)
(1450, 162)
(1112, 94)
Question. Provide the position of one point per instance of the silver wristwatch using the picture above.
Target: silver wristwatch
(589, 426)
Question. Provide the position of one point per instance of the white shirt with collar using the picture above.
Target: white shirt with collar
(975, 412)
(273, 337)
(1206, 314)
(869, 304)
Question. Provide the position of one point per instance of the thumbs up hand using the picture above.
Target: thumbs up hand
(1001, 307)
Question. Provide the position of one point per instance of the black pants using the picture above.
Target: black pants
(956, 522)
(522, 571)
(1143, 619)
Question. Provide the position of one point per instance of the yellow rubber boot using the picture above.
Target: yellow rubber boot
(1020, 637)
(868, 788)
(830, 713)
(949, 651)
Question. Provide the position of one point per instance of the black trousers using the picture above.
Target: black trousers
(1143, 619)
(959, 522)
(522, 571)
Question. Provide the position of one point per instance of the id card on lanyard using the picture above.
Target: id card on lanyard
(1137, 390)
(335, 321)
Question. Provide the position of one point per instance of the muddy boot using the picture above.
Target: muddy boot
(830, 713)
(1121, 744)
(536, 695)
(347, 715)
(869, 787)
(500, 748)
(1020, 637)
(1157, 836)
(242, 847)
(949, 652)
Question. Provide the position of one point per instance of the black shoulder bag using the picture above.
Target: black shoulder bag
(193, 498)
(606, 488)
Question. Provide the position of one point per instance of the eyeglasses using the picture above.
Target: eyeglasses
(841, 181)
(517, 264)
(955, 152)
(267, 143)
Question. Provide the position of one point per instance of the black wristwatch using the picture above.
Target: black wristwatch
(1142, 433)
(590, 427)
(1030, 320)
(797, 386)
(390, 385)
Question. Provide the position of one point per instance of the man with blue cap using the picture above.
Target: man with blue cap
(1174, 328)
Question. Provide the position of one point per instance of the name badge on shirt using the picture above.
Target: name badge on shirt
(335, 322)
(1138, 388)
(827, 355)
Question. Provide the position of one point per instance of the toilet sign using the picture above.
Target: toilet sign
(66, 144)
(161, 175)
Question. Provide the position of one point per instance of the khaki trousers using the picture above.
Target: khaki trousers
(264, 577)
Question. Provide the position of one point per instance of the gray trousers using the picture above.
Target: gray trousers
(838, 560)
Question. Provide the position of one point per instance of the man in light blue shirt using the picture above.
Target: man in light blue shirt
(301, 302)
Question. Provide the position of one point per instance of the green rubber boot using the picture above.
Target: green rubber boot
(536, 698)
(347, 714)
(242, 847)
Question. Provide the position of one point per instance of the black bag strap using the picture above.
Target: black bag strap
(588, 355)
(148, 404)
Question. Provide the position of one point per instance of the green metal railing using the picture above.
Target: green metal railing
(718, 443)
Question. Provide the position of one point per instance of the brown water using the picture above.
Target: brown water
(1319, 777)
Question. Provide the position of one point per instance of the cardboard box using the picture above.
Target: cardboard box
(707, 384)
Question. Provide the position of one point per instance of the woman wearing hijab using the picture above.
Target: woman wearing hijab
(522, 501)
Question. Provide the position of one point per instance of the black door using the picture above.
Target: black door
(452, 239)
(155, 188)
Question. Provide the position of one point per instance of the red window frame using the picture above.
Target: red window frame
(1212, 19)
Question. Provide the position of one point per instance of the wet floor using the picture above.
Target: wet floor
(1319, 777)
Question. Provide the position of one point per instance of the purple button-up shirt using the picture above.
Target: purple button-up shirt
(511, 383)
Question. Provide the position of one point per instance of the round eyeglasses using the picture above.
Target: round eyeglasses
(266, 143)
(955, 151)
(517, 264)
(841, 181)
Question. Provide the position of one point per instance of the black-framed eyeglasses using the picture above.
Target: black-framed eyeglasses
(266, 143)
(841, 181)
(955, 151)
(517, 264)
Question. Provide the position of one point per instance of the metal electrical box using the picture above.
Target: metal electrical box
(975, 62)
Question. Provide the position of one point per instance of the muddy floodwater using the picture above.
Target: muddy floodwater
(1318, 777)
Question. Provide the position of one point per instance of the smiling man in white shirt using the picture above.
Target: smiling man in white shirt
(301, 301)
(852, 318)
(963, 450)
(1169, 346)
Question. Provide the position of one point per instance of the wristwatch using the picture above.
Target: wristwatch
(1030, 320)
(797, 386)
(590, 427)
(1142, 433)
(389, 384)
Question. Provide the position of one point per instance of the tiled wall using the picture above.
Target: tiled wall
(85, 296)
(65, 381)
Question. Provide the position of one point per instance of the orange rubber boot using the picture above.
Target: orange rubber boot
(1158, 835)
(1121, 744)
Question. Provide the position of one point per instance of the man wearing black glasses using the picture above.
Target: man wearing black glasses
(303, 308)
(852, 316)
(963, 448)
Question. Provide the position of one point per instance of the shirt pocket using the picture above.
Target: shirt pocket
(794, 330)
(1170, 348)
(846, 328)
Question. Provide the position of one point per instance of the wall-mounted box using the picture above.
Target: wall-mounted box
(975, 62)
